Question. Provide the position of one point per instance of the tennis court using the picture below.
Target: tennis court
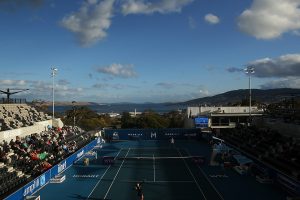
(168, 172)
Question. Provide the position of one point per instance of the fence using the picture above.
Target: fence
(12, 101)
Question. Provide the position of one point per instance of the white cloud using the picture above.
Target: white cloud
(211, 18)
(269, 19)
(284, 66)
(91, 22)
(118, 70)
(146, 7)
(42, 89)
(282, 83)
(13, 83)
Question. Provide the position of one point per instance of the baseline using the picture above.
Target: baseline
(204, 174)
(116, 175)
(200, 189)
(102, 176)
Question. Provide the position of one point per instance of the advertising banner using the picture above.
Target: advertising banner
(151, 134)
(31, 187)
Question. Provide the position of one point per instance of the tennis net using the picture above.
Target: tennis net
(195, 159)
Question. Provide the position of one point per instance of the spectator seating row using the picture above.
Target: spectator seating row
(23, 159)
(281, 152)
(13, 116)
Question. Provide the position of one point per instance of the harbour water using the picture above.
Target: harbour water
(119, 108)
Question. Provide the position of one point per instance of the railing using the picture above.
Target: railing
(12, 101)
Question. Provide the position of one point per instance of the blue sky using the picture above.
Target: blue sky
(147, 50)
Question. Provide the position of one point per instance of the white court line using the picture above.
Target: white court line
(153, 168)
(192, 176)
(49, 181)
(150, 148)
(115, 175)
(204, 174)
(157, 157)
(136, 181)
(147, 155)
(102, 176)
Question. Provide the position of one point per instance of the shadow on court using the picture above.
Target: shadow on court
(164, 178)
(77, 196)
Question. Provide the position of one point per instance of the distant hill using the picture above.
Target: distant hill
(69, 103)
(234, 96)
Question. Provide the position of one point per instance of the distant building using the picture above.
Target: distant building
(220, 117)
(112, 114)
(135, 113)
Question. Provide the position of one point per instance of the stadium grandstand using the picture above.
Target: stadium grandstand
(40, 158)
(268, 146)
(31, 143)
(272, 144)
(14, 116)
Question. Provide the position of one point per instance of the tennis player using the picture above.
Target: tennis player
(172, 141)
(139, 189)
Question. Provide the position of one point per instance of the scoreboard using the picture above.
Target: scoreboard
(201, 122)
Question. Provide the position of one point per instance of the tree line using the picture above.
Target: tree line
(91, 120)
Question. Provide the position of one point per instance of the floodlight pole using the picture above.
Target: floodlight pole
(74, 113)
(249, 70)
(53, 73)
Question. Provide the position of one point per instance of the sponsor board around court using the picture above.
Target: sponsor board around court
(36, 184)
(85, 175)
(151, 134)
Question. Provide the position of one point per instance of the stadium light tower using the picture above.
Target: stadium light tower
(74, 113)
(249, 70)
(53, 73)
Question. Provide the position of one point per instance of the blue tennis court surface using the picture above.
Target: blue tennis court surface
(168, 172)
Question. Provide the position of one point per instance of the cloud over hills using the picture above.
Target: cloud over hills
(284, 66)
(282, 83)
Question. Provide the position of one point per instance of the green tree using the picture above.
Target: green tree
(151, 119)
(127, 121)
(87, 119)
(176, 119)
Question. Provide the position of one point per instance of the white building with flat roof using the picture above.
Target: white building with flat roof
(221, 116)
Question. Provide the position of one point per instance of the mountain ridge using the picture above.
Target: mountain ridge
(235, 96)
